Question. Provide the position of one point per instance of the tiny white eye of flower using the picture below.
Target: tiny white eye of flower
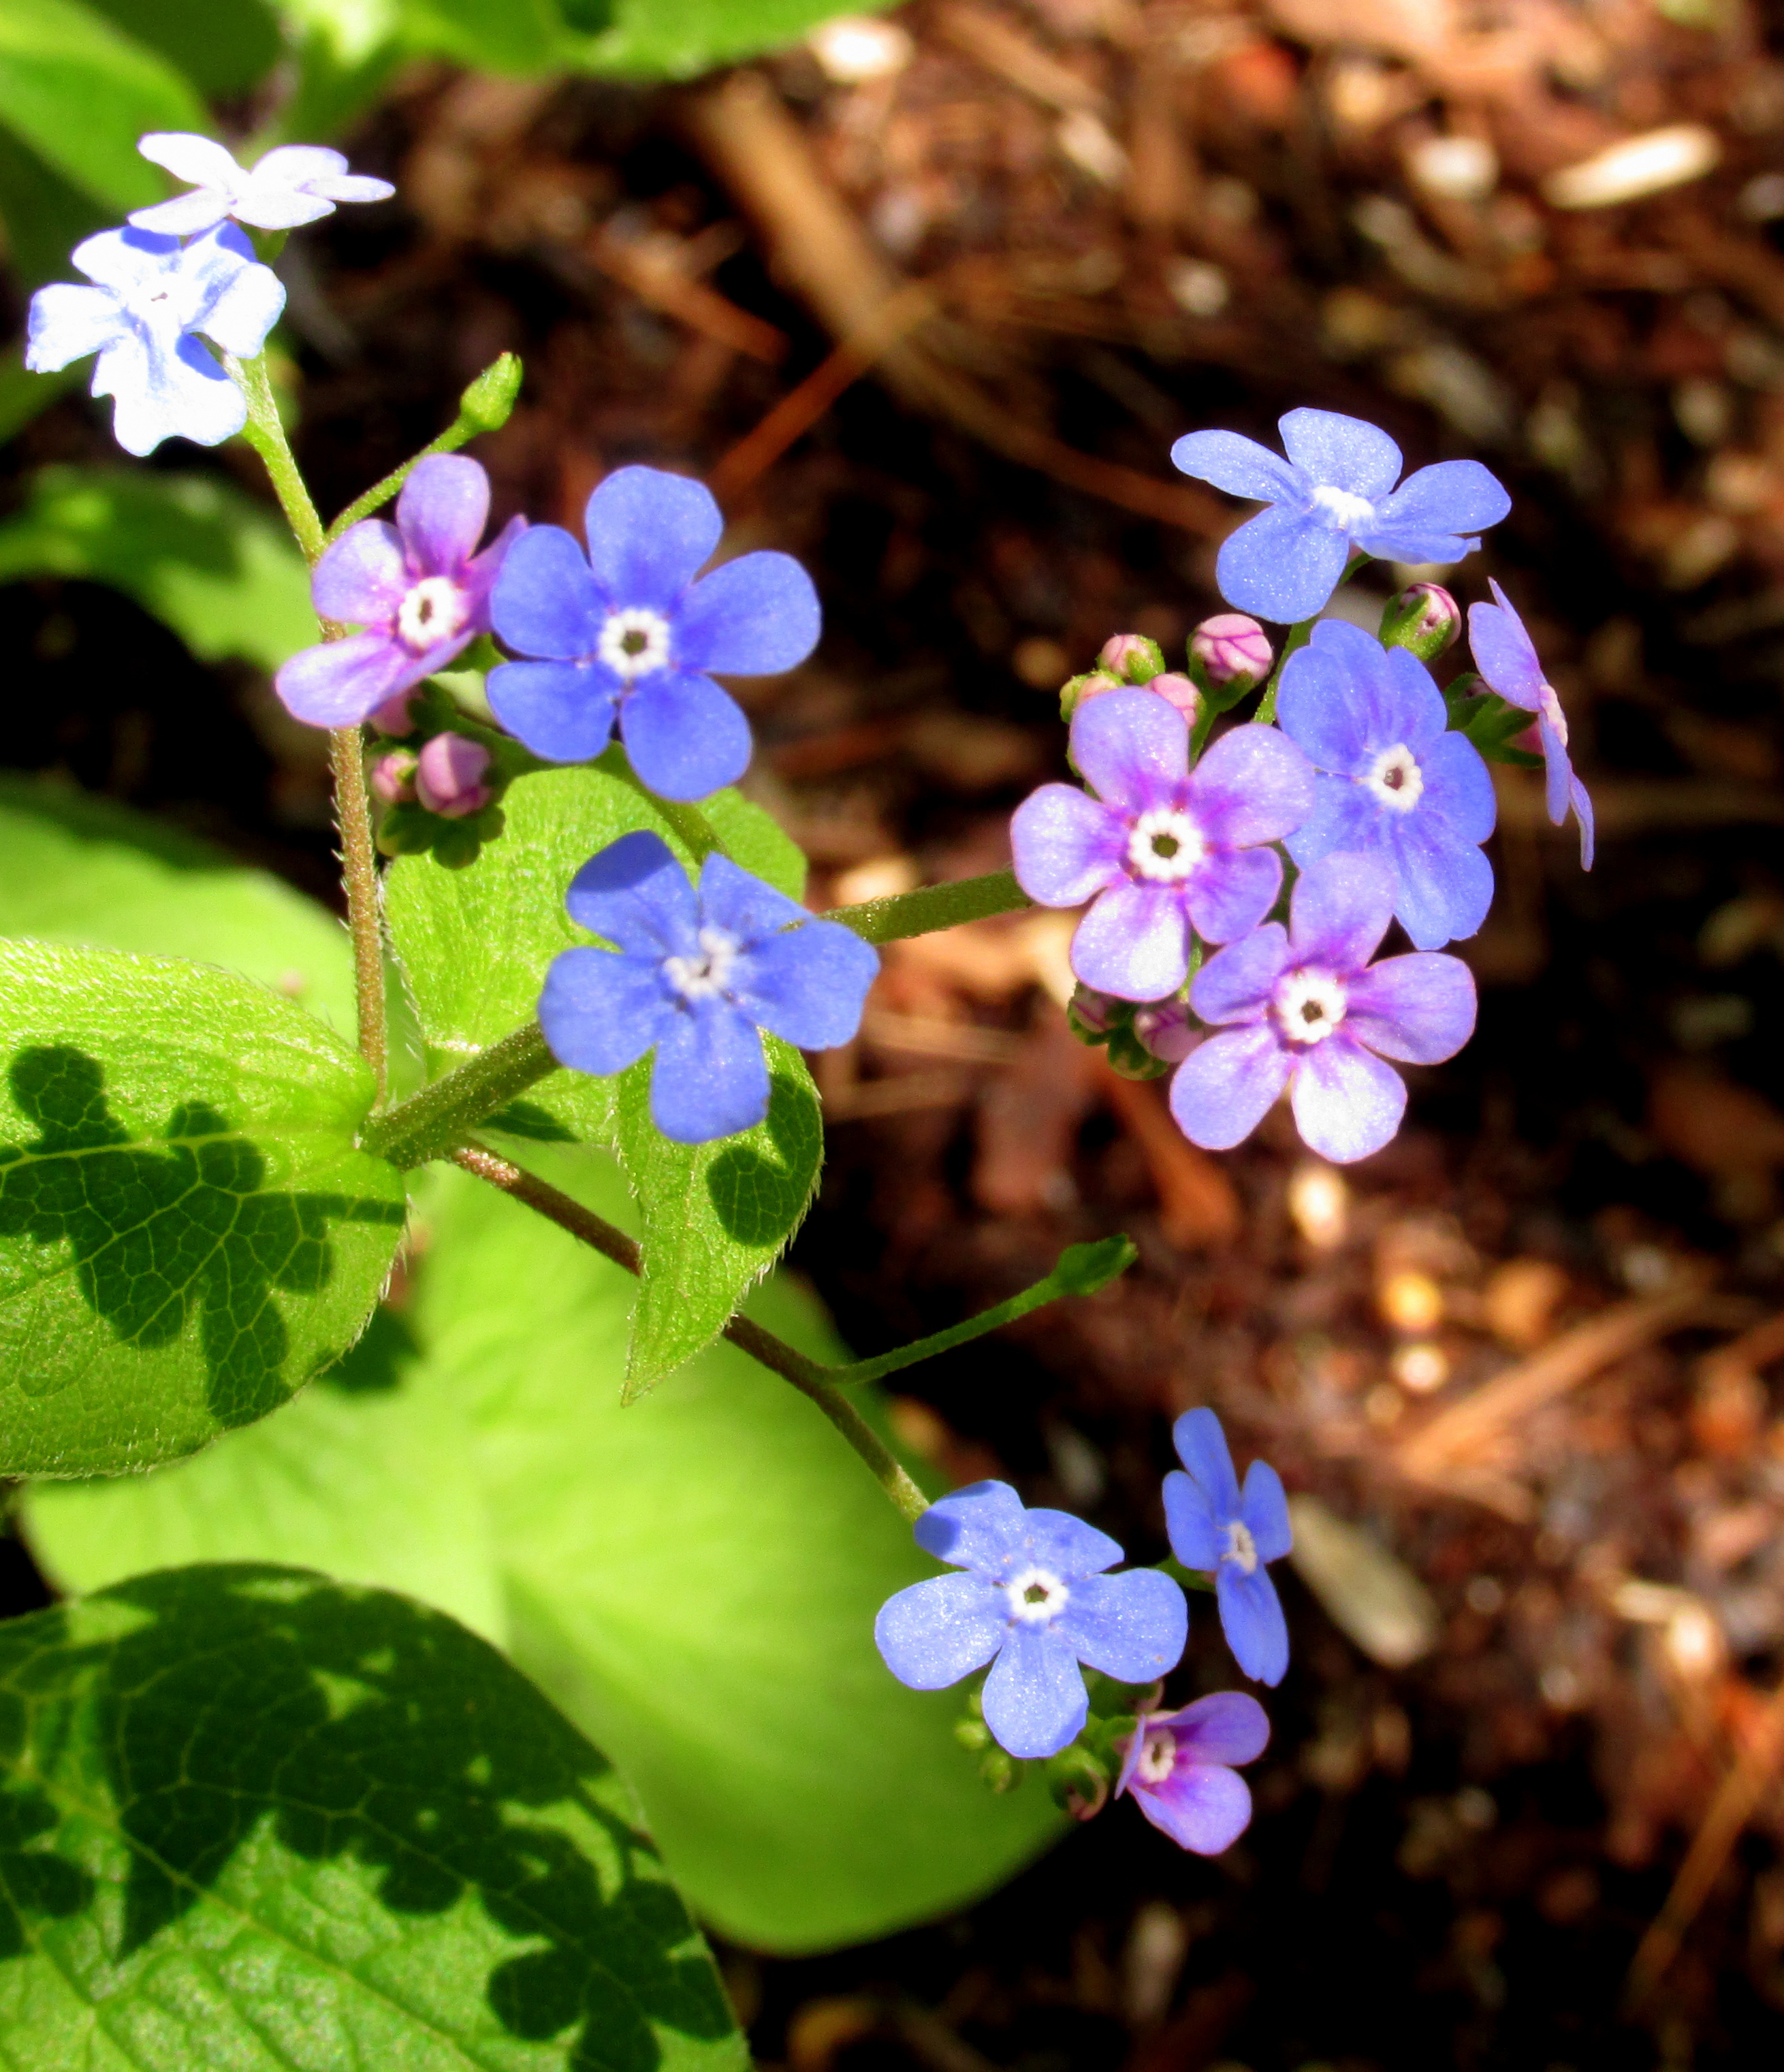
(1241, 1549)
(434, 610)
(1395, 778)
(1036, 1596)
(1165, 845)
(634, 642)
(1345, 511)
(1157, 1758)
(1310, 1004)
(704, 977)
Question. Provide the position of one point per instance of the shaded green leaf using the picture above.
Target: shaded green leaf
(682, 37)
(222, 50)
(495, 36)
(44, 217)
(188, 1234)
(252, 1820)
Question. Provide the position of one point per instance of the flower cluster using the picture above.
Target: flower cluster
(1031, 1596)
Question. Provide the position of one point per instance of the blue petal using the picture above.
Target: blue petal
(1346, 1103)
(1067, 1546)
(635, 894)
(563, 711)
(1230, 891)
(710, 1078)
(1504, 652)
(1196, 1538)
(546, 602)
(1135, 940)
(744, 905)
(684, 735)
(1446, 883)
(1418, 713)
(1345, 453)
(1065, 846)
(1264, 1509)
(649, 532)
(1226, 1087)
(600, 1011)
(1345, 819)
(1400, 543)
(1236, 985)
(1133, 747)
(1336, 700)
(1558, 771)
(1250, 1617)
(808, 986)
(753, 617)
(1282, 565)
(1341, 908)
(935, 1632)
(183, 394)
(1458, 789)
(1132, 1627)
(1456, 496)
(1203, 1808)
(982, 1527)
(1239, 466)
(1253, 785)
(1582, 808)
(1034, 1698)
(67, 322)
(1202, 1447)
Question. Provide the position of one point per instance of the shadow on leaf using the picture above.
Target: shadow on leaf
(757, 1198)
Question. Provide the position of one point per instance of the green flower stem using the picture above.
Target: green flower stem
(807, 1376)
(933, 907)
(1082, 1270)
(429, 1125)
(265, 432)
(688, 824)
(484, 407)
(1299, 634)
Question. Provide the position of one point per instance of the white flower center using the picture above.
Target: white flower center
(1395, 779)
(434, 610)
(164, 304)
(1036, 1596)
(702, 977)
(1241, 1548)
(634, 642)
(1165, 846)
(1157, 1758)
(1549, 706)
(1345, 511)
(1310, 1004)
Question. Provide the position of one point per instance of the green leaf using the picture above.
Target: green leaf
(251, 1819)
(714, 1216)
(80, 92)
(188, 1234)
(212, 564)
(222, 50)
(44, 217)
(694, 1579)
(683, 37)
(495, 36)
(1490, 721)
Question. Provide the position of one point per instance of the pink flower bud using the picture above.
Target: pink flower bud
(1132, 657)
(1176, 689)
(1090, 1012)
(448, 776)
(1088, 685)
(393, 715)
(1164, 1027)
(393, 776)
(1230, 647)
(1423, 617)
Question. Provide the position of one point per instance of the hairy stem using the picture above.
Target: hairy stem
(807, 1376)
(265, 434)
(429, 1124)
(933, 907)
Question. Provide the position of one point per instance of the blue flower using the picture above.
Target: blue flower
(1335, 490)
(1507, 657)
(628, 635)
(293, 184)
(696, 976)
(1391, 779)
(150, 295)
(1033, 1601)
(1215, 1528)
(1179, 1767)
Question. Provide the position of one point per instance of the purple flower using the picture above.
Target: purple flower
(628, 634)
(1304, 1009)
(1179, 1767)
(1033, 1601)
(448, 776)
(1506, 656)
(150, 296)
(1392, 778)
(1161, 849)
(695, 976)
(1335, 490)
(1230, 1534)
(419, 588)
(295, 183)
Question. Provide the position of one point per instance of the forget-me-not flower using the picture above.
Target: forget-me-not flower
(1302, 1008)
(1335, 491)
(1161, 849)
(419, 590)
(1392, 778)
(150, 295)
(1178, 1765)
(1507, 657)
(696, 976)
(627, 635)
(1032, 1598)
(1215, 1526)
(293, 184)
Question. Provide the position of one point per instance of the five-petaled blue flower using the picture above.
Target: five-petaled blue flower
(628, 635)
(696, 976)
(1392, 778)
(1213, 1526)
(1179, 1767)
(1335, 491)
(151, 294)
(1507, 657)
(1033, 1600)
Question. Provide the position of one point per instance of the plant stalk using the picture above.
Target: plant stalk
(432, 1123)
(933, 907)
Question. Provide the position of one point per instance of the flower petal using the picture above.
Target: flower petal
(1201, 1444)
(1235, 986)
(187, 156)
(1132, 1627)
(362, 579)
(563, 711)
(188, 215)
(1454, 496)
(67, 322)
(341, 682)
(1065, 846)
(683, 735)
(1419, 1009)
(649, 532)
(710, 1078)
(1341, 908)
(1230, 891)
(635, 894)
(1345, 817)
(1282, 565)
(747, 906)
(1034, 1698)
(934, 1632)
(1226, 1087)
(298, 165)
(1264, 1509)
(1203, 1808)
(983, 1526)
(1557, 771)
(1239, 465)
(1226, 1727)
(1582, 809)
(1133, 747)
(1068, 1546)
(1445, 884)
(753, 617)
(1135, 940)
(808, 986)
(1198, 1538)
(1253, 785)
(601, 1011)
(443, 512)
(1250, 1617)
(183, 394)
(1346, 1103)
(1504, 652)
(546, 602)
(1336, 700)
(124, 259)
(239, 317)
(1346, 453)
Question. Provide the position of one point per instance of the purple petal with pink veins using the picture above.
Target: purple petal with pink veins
(1133, 748)
(1253, 786)
(1224, 1090)
(363, 578)
(1230, 891)
(1065, 846)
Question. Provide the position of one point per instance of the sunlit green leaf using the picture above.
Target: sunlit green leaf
(683, 37)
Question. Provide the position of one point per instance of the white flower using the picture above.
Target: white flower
(293, 184)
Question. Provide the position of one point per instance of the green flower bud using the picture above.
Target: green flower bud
(1424, 619)
(488, 403)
